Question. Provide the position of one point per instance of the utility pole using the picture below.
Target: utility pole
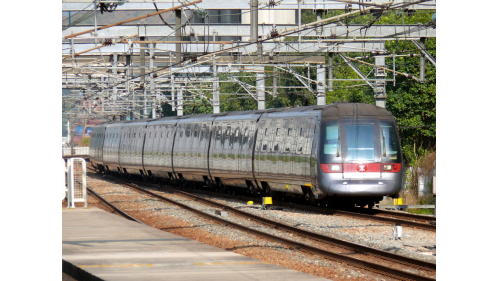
(180, 93)
(128, 75)
(319, 28)
(143, 76)
(422, 61)
(380, 75)
(151, 78)
(254, 20)
(215, 88)
(300, 21)
(115, 74)
(254, 26)
(330, 71)
(178, 54)
(320, 75)
(275, 81)
(261, 87)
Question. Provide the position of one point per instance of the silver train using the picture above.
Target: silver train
(335, 154)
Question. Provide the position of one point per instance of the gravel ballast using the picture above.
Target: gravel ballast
(173, 219)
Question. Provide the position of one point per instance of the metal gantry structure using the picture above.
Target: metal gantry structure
(123, 59)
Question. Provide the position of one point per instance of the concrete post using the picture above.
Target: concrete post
(172, 84)
(275, 81)
(320, 76)
(300, 20)
(254, 20)
(178, 55)
(330, 71)
(152, 87)
(261, 87)
(422, 61)
(180, 93)
(319, 29)
(380, 74)
(115, 73)
(143, 76)
(215, 86)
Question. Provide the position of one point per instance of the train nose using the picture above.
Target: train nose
(349, 187)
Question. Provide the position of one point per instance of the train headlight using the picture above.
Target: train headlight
(394, 168)
(331, 168)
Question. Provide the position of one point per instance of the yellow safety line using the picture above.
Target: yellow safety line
(220, 263)
(114, 265)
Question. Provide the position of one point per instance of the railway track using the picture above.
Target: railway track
(394, 218)
(387, 264)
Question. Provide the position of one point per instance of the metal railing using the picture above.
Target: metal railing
(78, 151)
(77, 181)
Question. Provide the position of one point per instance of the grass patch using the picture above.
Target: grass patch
(421, 211)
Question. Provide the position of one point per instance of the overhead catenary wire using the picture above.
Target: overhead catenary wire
(181, 63)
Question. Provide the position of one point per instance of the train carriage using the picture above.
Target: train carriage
(335, 153)
(157, 153)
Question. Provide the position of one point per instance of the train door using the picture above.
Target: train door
(308, 145)
(277, 144)
(226, 147)
(361, 149)
(236, 146)
(162, 145)
(266, 149)
(216, 147)
(245, 154)
(286, 148)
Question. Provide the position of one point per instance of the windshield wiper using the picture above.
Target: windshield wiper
(383, 144)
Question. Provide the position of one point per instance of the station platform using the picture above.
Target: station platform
(102, 246)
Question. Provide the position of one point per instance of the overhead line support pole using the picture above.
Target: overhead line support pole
(143, 78)
(178, 54)
(215, 87)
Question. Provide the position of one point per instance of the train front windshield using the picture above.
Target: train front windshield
(362, 140)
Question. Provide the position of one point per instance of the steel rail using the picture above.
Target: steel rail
(399, 214)
(277, 225)
(387, 271)
(116, 209)
(341, 212)
(425, 226)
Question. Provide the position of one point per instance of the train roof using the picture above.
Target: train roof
(336, 109)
